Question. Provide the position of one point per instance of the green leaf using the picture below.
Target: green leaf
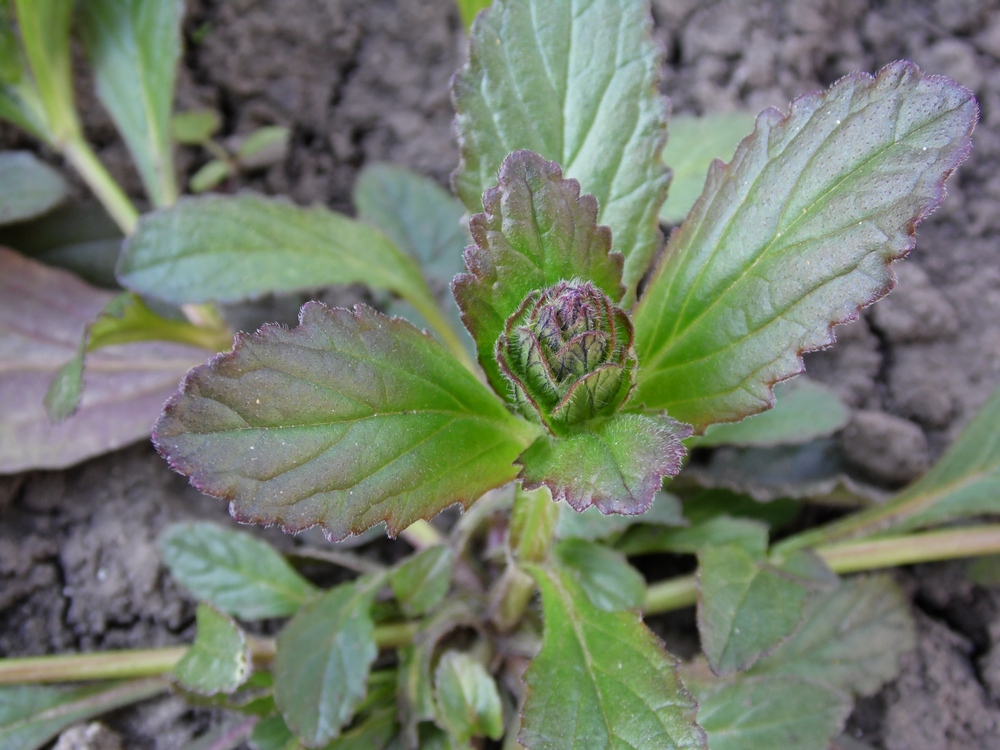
(226, 249)
(851, 638)
(576, 83)
(350, 419)
(134, 47)
(31, 715)
(28, 187)
(19, 100)
(424, 221)
(767, 713)
(195, 127)
(706, 504)
(605, 576)
(44, 27)
(420, 582)
(693, 144)
(415, 688)
(322, 661)
(804, 410)
(745, 606)
(748, 534)
(273, 733)
(237, 573)
(965, 482)
(537, 230)
(209, 175)
(617, 467)
(260, 147)
(591, 524)
(124, 320)
(793, 236)
(601, 680)
(468, 703)
(421, 218)
(218, 660)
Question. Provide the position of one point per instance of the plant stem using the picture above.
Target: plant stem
(152, 662)
(108, 665)
(86, 163)
(852, 557)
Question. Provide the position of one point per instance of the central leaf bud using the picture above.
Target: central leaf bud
(568, 353)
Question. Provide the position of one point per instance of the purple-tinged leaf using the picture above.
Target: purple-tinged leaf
(577, 83)
(537, 230)
(601, 680)
(43, 312)
(350, 419)
(617, 467)
(793, 236)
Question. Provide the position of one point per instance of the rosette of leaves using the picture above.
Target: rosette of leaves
(355, 418)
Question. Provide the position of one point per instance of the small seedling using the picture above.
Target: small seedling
(593, 363)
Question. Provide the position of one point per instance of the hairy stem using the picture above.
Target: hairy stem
(852, 557)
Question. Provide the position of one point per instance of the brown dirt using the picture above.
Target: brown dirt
(363, 82)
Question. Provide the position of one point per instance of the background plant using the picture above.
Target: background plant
(580, 580)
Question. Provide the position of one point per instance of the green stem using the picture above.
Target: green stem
(152, 662)
(443, 327)
(117, 204)
(852, 557)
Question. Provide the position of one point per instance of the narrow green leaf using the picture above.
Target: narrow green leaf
(745, 606)
(237, 573)
(591, 524)
(601, 680)
(793, 236)
(851, 638)
(768, 713)
(209, 175)
(28, 187)
(195, 127)
(260, 147)
(351, 419)
(218, 660)
(693, 144)
(468, 702)
(617, 467)
(421, 582)
(322, 661)
(804, 410)
(576, 83)
(605, 576)
(537, 230)
(19, 100)
(31, 715)
(44, 27)
(226, 249)
(134, 47)
(124, 320)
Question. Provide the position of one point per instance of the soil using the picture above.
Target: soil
(365, 82)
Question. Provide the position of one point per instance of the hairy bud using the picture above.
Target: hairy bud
(568, 353)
